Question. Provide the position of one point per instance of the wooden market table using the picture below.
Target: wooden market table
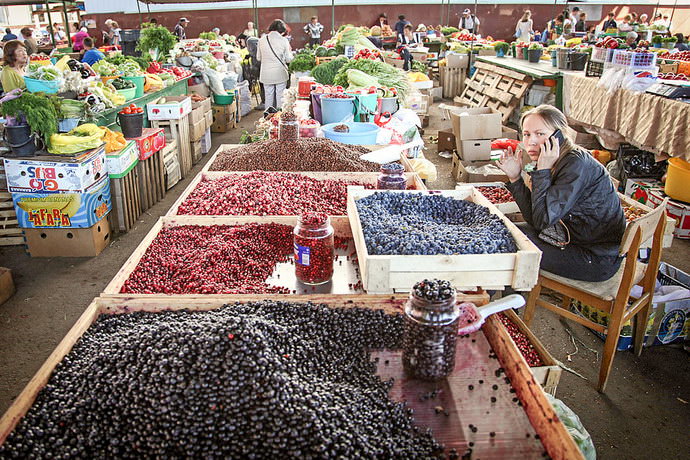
(108, 117)
(539, 71)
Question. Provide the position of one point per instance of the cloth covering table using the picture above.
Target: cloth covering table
(647, 121)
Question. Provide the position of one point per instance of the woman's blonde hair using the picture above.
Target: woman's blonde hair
(554, 119)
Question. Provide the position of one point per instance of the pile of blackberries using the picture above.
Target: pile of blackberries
(430, 224)
(258, 380)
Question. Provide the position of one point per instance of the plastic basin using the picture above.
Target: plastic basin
(359, 134)
(221, 99)
(334, 110)
(139, 81)
(129, 93)
(37, 86)
(677, 180)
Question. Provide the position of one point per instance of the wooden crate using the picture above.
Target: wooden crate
(452, 80)
(670, 222)
(126, 199)
(151, 176)
(506, 208)
(180, 134)
(321, 60)
(509, 420)
(495, 87)
(10, 233)
(547, 375)
(7, 289)
(385, 274)
(413, 181)
(171, 164)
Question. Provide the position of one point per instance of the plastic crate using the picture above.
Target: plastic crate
(602, 54)
(594, 69)
(625, 58)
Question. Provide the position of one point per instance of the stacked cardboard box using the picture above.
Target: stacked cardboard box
(474, 129)
(224, 117)
(200, 122)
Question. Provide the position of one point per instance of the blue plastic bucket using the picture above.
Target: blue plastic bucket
(335, 110)
(67, 124)
(359, 134)
(365, 106)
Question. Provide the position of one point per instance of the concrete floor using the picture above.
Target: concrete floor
(641, 416)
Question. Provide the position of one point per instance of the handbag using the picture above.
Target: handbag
(557, 235)
(287, 85)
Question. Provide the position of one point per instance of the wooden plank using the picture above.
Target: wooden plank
(500, 70)
(11, 241)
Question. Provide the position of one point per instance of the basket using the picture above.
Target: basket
(128, 93)
(38, 86)
(600, 54)
(222, 99)
(594, 69)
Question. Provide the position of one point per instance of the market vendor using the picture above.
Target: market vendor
(406, 41)
(78, 39)
(14, 62)
(91, 55)
(29, 40)
(382, 20)
(572, 212)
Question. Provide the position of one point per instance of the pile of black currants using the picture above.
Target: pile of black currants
(259, 380)
(430, 224)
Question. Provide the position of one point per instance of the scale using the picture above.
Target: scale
(671, 90)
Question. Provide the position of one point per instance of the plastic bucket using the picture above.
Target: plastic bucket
(139, 81)
(129, 93)
(131, 125)
(20, 140)
(335, 110)
(316, 106)
(67, 124)
(359, 134)
(390, 104)
(365, 106)
(223, 99)
(578, 61)
(677, 180)
(534, 55)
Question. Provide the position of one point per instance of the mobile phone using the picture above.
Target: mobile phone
(558, 135)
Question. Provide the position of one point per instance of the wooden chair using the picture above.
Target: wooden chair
(612, 296)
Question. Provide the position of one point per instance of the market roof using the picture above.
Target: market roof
(186, 1)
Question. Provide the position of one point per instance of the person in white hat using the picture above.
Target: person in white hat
(469, 22)
(179, 31)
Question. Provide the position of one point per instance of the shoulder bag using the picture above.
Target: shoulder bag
(287, 85)
(557, 235)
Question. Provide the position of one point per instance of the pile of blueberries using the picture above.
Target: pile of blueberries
(433, 290)
(430, 224)
(258, 380)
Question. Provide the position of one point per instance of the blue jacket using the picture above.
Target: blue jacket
(92, 56)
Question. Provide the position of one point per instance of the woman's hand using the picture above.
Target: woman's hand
(550, 151)
(511, 163)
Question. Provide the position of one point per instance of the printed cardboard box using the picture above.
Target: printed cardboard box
(63, 210)
(151, 141)
(169, 108)
(120, 163)
(638, 189)
(53, 174)
(674, 209)
(476, 123)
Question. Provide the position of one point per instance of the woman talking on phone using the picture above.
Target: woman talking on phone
(571, 210)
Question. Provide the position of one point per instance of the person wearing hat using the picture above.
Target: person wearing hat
(179, 31)
(469, 22)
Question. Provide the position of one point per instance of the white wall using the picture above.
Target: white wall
(15, 16)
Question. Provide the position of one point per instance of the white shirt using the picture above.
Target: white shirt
(273, 69)
(469, 22)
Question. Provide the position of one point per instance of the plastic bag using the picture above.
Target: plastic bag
(245, 101)
(640, 79)
(230, 81)
(574, 426)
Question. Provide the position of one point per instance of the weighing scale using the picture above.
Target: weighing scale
(671, 89)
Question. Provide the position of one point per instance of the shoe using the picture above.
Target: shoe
(260, 107)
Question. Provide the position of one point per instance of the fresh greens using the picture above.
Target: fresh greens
(156, 38)
(105, 68)
(387, 75)
(419, 66)
(130, 69)
(302, 63)
(208, 36)
(36, 109)
(44, 73)
(70, 108)
(326, 72)
(449, 30)
(121, 83)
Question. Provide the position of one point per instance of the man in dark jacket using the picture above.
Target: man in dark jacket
(255, 68)
(400, 25)
(610, 23)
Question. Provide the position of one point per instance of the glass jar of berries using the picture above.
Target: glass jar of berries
(430, 330)
(314, 248)
(288, 126)
(391, 177)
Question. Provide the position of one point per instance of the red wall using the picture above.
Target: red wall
(497, 20)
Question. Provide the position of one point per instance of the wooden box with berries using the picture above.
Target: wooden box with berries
(634, 209)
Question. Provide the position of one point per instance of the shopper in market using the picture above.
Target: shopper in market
(91, 55)
(179, 31)
(382, 20)
(625, 26)
(572, 212)
(14, 60)
(643, 20)
(78, 39)
(314, 30)
(581, 25)
(29, 40)
(8, 35)
(631, 39)
(115, 33)
(524, 28)
(610, 23)
(399, 27)
(469, 22)
(274, 53)
(682, 43)
(406, 41)
(250, 31)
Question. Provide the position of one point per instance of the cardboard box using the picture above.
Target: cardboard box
(201, 90)
(63, 210)
(222, 127)
(476, 123)
(474, 150)
(205, 105)
(206, 141)
(583, 139)
(120, 163)
(486, 52)
(68, 242)
(174, 108)
(472, 172)
(638, 189)
(669, 321)
(674, 209)
(446, 142)
(509, 133)
(196, 149)
(6, 284)
(668, 68)
(197, 131)
(223, 113)
(209, 118)
(151, 141)
(54, 174)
